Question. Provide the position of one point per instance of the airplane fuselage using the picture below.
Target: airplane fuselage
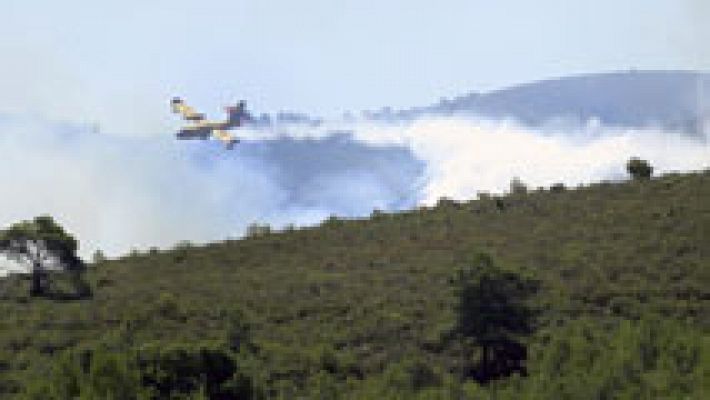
(199, 128)
(204, 130)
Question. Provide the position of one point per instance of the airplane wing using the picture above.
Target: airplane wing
(187, 112)
(225, 137)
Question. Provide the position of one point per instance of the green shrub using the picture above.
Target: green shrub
(517, 186)
(492, 312)
(639, 169)
(155, 371)
(176, 369)
(557, 187)
(168, 306)
(100, 373)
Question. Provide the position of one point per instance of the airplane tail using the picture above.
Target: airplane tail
(176, 104)
(237, 114)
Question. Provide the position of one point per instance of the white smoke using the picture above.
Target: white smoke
(466, 156)
(119, 193)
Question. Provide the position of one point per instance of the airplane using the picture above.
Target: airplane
(199, 128)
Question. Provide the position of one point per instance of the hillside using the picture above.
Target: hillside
(364, 308)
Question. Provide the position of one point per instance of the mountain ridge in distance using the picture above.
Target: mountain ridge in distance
(671, 100)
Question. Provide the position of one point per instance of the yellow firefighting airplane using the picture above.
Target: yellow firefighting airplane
(199, 128)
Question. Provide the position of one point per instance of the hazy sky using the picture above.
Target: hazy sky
(117, 64)
(92, 60)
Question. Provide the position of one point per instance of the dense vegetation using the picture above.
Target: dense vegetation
(592, 293)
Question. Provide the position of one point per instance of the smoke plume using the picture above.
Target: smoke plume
(116, 193)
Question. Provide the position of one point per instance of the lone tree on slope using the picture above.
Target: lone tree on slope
(42, 244)
(639, 169)
(494, 314)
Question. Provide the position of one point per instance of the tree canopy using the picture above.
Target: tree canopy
(639, 169)
(40, 243)
(492, 312)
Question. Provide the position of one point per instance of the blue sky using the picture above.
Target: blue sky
(90, 60)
